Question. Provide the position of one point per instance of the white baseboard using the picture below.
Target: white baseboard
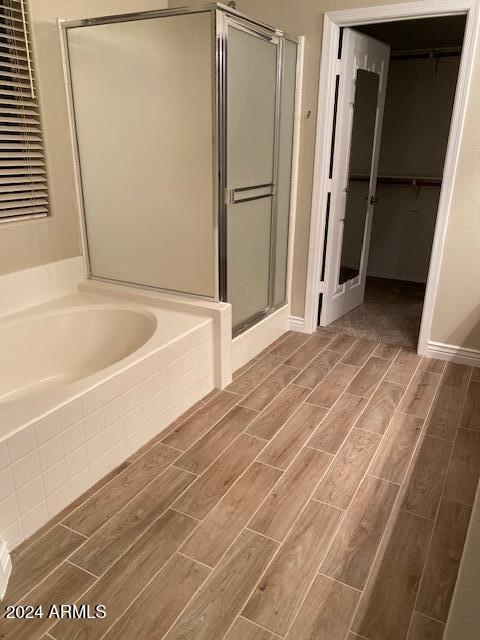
(453, 353)
(296, 324)
(5, 567)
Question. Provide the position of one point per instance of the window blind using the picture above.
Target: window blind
(23, 179)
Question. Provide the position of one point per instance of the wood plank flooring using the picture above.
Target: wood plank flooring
(325, 494)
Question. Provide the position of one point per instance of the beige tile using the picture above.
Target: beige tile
(332, 387)
(111, 541)
(423, 628)
(464, 469)
(64, 585)
(381, 407)
(245, 630)
(403, 367)
(254, 375)
(360, 353)
(311, 348)
(279, 594)
(278, 411)
(269, 388)
(48, 526)
(443, 560)
(292, 436)
(219, 529)
(39, 560)
(115, 495)
(331, 433)
(194, 427)
(287, 499)
(419, 396)
(326, 613)
(387, 603)
(353, 550)
(124, 581)
(456, 375)
(432, 365)
(387, 351)
(207, 490)
(210, 446)
(471, 411)
(396, 450)
(368, 378)
(444, 416)
(342, 343)
(424, 484)
(318, 369)
(157, 608)
(288, 346)
(348, 468)
(214, 608)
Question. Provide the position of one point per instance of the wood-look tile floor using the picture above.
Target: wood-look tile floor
(325, 494)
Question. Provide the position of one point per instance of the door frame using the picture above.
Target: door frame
(333, 22)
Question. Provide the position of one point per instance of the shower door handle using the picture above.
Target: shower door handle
(247, 194)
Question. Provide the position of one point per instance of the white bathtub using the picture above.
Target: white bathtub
(50, 349)
(86, 380)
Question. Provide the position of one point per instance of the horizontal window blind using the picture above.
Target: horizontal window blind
(23, 178)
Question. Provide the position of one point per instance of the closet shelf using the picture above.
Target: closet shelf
(414, 181)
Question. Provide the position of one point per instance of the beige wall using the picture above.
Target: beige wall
(35, 242)
(457, 308)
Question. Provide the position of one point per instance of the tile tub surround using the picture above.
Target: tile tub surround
(253, 341)
(234, 525)
(46, 463)
(22, 289)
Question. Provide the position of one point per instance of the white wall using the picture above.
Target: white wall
(418, 108)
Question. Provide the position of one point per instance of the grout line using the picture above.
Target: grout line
(429, 544)
(372, 475)
(392, 512)
(425, 615)
(61, 524)
(147, 584)
(183, 513)
(328, 504)
(82, 569)
(345, 584)
(180, 553)
(57, 522)
(256, 624)
(279, 542)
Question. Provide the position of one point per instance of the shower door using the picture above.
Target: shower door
(250, 126)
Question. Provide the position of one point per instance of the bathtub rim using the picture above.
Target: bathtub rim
(43, 405)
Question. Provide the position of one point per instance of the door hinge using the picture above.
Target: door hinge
(339, 67)
(321, 288)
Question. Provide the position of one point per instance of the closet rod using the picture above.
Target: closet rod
(413, 54)
(408, 180)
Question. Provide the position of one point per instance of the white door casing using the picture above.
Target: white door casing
(359, 51)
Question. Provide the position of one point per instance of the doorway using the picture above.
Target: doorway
(373, 268)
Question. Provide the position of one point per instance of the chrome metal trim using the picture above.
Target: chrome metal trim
(276, 151)
(265, 195)
(273, 36)
(221, 47)
(251, 322)
(256, 186)
(138, 15)
(216, 194)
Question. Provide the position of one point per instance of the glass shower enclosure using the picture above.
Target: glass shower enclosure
(183, 123)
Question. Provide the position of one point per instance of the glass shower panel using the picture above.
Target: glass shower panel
(251, 108)
(142, 94)
(360, 166)
(287, 118)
